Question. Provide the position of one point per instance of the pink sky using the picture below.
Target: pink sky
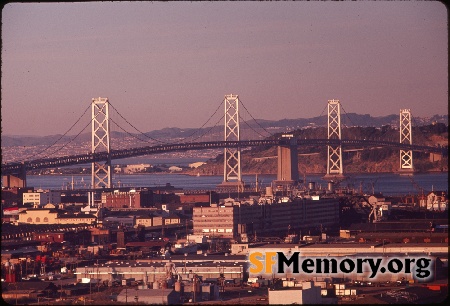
(170, 64)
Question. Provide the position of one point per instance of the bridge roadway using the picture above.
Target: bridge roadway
(11, 168)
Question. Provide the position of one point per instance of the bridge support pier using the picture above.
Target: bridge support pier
(10, 181)
(287, 174)
(16, 180)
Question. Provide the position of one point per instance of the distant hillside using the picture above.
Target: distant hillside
(176, 133)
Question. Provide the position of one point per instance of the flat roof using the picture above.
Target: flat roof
(145, 292)
(350, 245)
(126, 264)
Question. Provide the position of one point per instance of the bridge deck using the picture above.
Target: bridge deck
(12, 168)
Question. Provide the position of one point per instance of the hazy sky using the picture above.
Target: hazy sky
(166, 64)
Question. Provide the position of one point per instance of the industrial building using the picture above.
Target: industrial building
(128, 199)
(437, 251)
(236, 220)
(149, 296)
(307, 294)
(184, 267)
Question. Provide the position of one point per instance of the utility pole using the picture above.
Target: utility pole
(98, 287)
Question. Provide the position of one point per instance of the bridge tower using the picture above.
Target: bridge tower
(101, 172)
(406, 156)
(232, 179)
(335, 169)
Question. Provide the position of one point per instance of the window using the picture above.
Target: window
(29, 220)
(45, 219)
(38, 219)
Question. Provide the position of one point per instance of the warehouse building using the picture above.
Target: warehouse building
(204, 267)
(236, 220)
(149, 296)
(308, 294)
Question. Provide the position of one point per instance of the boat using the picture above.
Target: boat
(184, 247)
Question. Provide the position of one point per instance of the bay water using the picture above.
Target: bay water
(385, 183)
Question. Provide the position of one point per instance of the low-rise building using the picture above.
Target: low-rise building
(437, 201)
(308, 294)
(136, 168)
(175, 169)
(53, 216)
(127, 199)
(149, 296)
(125, 221)
(231, 267)
(172, 219)
(145, 221)
(196, 164)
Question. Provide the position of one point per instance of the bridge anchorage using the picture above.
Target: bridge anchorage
(287, 173)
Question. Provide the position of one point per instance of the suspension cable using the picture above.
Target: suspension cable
(48, 147)
(347, 116)
(89, 123)
(210, 117)
(418, 128)
(254, 130)
(210, 128)
(128, 133)
(154, 139)
(323, 110)
(270, 134)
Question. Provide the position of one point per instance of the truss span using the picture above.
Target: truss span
(12, 168)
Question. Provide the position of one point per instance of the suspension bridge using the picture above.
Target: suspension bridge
(102, 154)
